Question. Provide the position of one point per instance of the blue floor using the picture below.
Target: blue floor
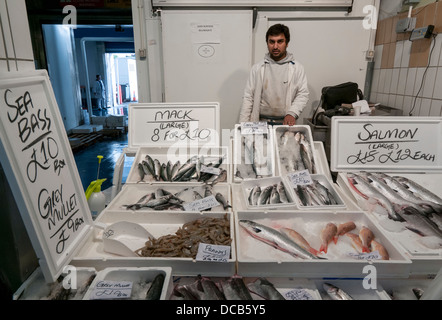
(87, 161)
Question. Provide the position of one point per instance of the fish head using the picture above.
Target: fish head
(250, 226)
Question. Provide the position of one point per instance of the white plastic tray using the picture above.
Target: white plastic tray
(289, 288)
(140, 278)
(158, 223)
(248, 185)
(131, 193)
(425, 259)
(37, 288)
(354, 288)
(238, 149)
(340, 205)
(256, 258)
(306, 131)
(174, 154)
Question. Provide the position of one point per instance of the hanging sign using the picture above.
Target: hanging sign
(403, 144)
(40, 168)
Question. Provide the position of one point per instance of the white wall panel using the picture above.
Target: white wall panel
(211, 65)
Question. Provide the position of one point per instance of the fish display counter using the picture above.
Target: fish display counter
(314, 244)
(392, 173)
(191, 243)
(110, 283)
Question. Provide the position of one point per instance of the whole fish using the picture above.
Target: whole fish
(381, 249)
(392, 195)
(235, 289)
(366, 236)
(419, 190)
(327, 235)
(211, 290)
(421, 224)
(274, 195)
(155, 289)
(299, 239)
(157, 170)
(336, 293)
(254, 195)
(141, 172)
(141, 202)
(282, 193)
(367, 191)
(343, 228)
(163, 172)
(407, 194)
(169, 166)
(205, 289)
(148, 169)
(355, 241)
(265, 289)
(259, 158)
(329, 198)
(181, 293)
(222, 200)
(157, 201)
(309, 160)
(275, 239)
(222, 177)
(265, 195)
(303, 195)
(174, 170)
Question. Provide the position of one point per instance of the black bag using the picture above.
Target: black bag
(347, 92)
(333, 96)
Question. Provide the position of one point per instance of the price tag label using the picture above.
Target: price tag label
(254, 128)
(300, 178)
(108, 290)
(202, 204)
(211, 170)
(298, 294)
(365, 255)
(211, 252)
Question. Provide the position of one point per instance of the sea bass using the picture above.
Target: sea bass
(275, 239)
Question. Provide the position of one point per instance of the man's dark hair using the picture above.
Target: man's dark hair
(278, 29)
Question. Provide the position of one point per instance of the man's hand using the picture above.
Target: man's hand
(289, 120)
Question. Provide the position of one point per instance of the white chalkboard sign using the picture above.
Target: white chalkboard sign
(38, 162)
(387, 144)
(173, 124)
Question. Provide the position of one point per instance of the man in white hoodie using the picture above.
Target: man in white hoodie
(276, 90)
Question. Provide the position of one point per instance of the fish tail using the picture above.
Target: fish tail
(323, 248)
(313, 251)
(365, 249)
(335, 239)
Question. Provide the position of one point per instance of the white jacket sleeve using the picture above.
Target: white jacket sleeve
(248, 98)
(300, 92)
